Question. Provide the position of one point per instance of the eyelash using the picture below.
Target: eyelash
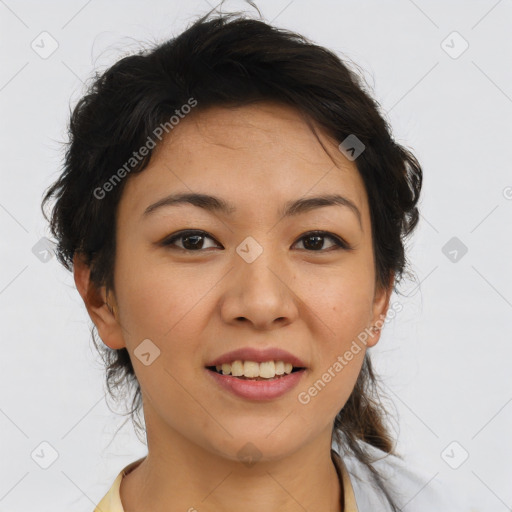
(339, 243)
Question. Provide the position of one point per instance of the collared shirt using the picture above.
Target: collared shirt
(111, 502)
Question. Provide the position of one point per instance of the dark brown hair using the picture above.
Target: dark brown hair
(231, 60)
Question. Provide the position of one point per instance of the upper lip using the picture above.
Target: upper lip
(258, 356)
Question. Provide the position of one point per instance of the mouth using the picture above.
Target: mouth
(257, 374)
(254, 371)
(257, 382)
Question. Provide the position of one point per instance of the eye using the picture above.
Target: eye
(315, 243)
(192, 240)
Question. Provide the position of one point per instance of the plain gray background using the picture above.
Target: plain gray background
(445, 358)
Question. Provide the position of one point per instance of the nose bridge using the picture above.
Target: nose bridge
(260, 272)
(257, 267)
(257, 291)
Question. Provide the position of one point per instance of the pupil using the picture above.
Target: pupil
(193, 245)
(317, 245)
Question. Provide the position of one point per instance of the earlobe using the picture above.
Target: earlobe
(95, 299)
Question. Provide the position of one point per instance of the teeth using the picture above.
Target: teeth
(237, 368)
(251, 369)
(267, 369)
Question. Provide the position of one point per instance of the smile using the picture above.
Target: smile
(256, 381)
(253, 370)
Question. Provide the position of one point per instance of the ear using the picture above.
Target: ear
(108, 326)
(381, 300)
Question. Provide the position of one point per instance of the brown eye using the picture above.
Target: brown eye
(194, 241)
(314, 241)
(191, 240)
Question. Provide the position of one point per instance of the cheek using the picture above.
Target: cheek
(166, 305)
(341, 306)
(342, 302)
(330, 385)
(158, 298)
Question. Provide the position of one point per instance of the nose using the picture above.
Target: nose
(257, 293)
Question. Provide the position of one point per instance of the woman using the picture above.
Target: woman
(233, 208)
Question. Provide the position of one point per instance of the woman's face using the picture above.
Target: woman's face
(254, 279)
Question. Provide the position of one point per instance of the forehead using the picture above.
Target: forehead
(264, 153)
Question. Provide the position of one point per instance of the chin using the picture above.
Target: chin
(258, 445)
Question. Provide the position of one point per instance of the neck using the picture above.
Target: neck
(178, 475)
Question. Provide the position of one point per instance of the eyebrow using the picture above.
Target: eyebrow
(216, 204)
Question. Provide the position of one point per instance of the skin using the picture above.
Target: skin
(196, 305)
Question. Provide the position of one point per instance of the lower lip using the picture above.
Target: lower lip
(258, 389)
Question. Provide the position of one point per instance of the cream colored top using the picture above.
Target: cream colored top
(111, 502)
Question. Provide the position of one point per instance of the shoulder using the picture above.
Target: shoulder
(410, 487)
(111, 501)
